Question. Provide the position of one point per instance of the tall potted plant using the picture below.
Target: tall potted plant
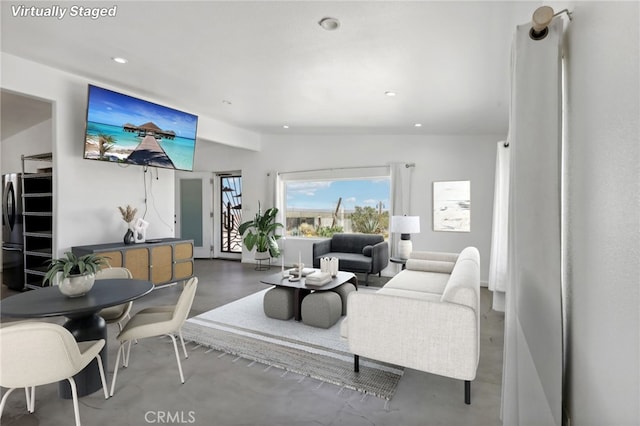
(260, 233)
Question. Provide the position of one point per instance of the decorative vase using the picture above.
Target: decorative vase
(325, 264)
(333, 267)
(129, 237)
(76, 285)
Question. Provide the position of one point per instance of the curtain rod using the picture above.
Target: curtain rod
(407, 165)
(329, 169)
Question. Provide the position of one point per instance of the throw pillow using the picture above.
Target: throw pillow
(430, 266)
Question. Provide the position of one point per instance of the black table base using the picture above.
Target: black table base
(86, 328)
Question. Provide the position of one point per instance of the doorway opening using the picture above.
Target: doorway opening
(230, 213)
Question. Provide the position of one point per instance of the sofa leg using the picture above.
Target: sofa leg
(356, 363)
(467, 392)
(366, 279)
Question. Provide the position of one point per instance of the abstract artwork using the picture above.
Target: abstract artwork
(452, 206)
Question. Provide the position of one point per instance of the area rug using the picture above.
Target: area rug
(241, 328)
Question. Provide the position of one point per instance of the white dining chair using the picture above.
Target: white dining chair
(157, 321)
(53, 354)
(115, 314)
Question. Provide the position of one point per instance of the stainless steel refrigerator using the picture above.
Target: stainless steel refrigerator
(12, 227)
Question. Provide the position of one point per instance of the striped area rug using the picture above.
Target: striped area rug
(241, 328)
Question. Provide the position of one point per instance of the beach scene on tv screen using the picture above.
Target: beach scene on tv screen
(128, 130)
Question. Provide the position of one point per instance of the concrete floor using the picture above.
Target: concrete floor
(221, 390)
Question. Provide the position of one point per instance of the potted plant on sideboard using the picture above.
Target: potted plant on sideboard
(261, 233)
(77, 273)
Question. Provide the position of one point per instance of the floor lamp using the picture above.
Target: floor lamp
(405, 226)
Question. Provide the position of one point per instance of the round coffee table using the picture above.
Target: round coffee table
(301, 289)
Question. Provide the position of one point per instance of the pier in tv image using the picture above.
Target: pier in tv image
(128, 130)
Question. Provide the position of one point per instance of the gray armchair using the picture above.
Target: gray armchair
(363, 253)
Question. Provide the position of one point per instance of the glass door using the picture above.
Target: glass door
(194, 211)
(231, 213)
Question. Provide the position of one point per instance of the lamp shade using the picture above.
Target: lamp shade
(405, 224)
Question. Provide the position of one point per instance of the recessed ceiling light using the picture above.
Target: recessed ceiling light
(390, 93)
(417, 125)
(120, 60)
(329, 24)
(285, 126)
(226, 102)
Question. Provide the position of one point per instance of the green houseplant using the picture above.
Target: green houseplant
(260, 232)
(77, 273)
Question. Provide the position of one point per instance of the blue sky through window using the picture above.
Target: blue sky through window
(324, 195)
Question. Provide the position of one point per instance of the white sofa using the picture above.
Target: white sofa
(426, 318)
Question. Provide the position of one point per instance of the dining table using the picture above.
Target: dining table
(83, 319)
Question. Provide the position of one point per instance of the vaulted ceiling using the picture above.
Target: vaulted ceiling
(261, 65)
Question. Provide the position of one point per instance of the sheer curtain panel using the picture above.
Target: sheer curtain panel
(533, 370)
(499, 237)
(401, 174)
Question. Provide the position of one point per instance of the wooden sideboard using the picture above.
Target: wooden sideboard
(164, 261)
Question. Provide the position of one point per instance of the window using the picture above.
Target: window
(320, 207)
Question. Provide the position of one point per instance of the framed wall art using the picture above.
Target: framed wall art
(452, 206)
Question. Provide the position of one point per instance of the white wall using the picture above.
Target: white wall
(87, 193)
(213, 130)
(603, 223)
(436, 157)
(34, 140)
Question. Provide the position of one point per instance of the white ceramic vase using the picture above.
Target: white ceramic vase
(325, 263)
(330, 265)
(76, 285)
(333, 266)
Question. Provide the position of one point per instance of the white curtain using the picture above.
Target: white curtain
(500, 229)
(533, 370)
(401, 174)
(271, 191)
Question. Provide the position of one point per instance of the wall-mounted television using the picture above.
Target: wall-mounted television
(127, 130)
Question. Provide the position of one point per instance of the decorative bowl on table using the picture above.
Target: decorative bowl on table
(77, 273)
(77, 285)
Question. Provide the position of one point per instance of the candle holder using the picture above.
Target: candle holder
(281, 244)
(298, 276)
(300, 267)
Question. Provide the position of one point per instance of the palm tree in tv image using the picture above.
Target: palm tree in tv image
(105, 144)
